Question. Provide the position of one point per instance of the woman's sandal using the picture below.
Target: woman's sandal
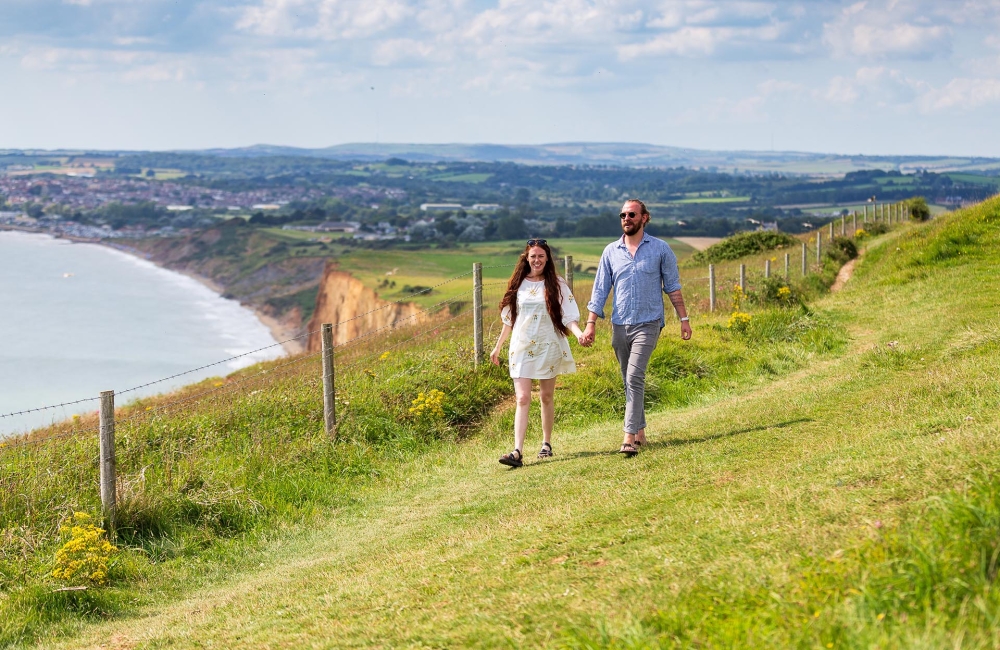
(511, 459)
(628, 450)
(546, 451)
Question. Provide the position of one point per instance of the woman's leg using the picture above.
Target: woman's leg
(547, 392)
(522, 393)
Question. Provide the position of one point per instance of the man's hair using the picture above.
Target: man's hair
(641, 205)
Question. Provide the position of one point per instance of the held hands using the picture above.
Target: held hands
(586, 338)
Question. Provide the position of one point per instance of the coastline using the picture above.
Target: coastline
(279, 332)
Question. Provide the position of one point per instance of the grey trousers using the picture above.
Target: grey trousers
(634, 345)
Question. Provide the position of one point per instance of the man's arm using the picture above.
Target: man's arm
(671, 277)
(599, 296)
(677, 300)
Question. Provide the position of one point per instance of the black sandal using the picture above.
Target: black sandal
(628, 450)
(511, 460)
(546, 451)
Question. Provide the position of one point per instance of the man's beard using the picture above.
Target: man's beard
(632, 228)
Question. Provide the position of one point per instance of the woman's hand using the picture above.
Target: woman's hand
(495, 356)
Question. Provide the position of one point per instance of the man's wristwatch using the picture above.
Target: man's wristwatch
(684, 319)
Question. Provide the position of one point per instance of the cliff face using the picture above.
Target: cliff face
(343, 299)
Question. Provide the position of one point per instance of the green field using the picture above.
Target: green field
(826, 477)
(431, 267)
(711, 199)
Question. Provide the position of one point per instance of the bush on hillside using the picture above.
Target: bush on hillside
(842, 250)
(743, 244)
(918, 209)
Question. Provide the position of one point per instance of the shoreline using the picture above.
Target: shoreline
(280, 333)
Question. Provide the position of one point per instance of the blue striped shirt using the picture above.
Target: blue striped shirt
(637, 281)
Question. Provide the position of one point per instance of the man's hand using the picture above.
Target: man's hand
(587, 339)
(685, 330)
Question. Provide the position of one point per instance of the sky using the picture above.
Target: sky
(894, 77)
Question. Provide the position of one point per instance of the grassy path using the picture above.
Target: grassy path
(748, 493)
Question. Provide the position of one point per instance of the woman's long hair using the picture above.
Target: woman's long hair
(552, 291)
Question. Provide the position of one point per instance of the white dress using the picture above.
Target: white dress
(537, 350)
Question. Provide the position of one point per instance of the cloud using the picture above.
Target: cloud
(961, 95)
(891, 29)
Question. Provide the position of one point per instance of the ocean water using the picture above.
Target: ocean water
(77, 319)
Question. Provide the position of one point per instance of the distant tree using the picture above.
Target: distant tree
(511, 227)
(918, 209)
(150, 173)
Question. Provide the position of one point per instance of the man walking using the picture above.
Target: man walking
(638, 267)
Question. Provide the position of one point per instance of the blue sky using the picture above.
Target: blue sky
(874, 77)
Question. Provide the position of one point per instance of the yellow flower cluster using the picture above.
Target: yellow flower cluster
(84, 557)
(738, 297)
(860, 233)
(430, 404)
(784, 293)
(384, 356)
(739, 320)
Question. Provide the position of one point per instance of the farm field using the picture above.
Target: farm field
(825, 479)
(431, 267)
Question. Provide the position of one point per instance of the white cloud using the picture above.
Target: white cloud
(323, 19)
(893, 29)
(961, 94)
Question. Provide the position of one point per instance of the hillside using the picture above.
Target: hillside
(823, 479)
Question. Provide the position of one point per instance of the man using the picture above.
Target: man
(638, 267)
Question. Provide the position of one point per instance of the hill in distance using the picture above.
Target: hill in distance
(623, 154)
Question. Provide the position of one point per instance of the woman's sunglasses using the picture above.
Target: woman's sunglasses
(535, 242)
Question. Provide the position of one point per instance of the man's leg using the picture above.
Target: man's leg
(633, 346)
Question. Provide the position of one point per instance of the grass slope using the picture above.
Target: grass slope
(799, 491)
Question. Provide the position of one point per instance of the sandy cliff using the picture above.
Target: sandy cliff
(354, 309)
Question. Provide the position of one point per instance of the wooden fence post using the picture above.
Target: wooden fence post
(805, 261)
(711, 287)
(787, 259)
(477, 311)
(854, 224)
(109, 496)
(819, 246)
(329, 386)
(569, 272)
(831, 231)
(743, 278)
(767, 268)
(866, 213)
(843, 225)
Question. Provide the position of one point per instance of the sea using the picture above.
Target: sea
(77, 319)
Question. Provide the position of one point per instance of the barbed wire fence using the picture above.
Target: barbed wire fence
(149, 443)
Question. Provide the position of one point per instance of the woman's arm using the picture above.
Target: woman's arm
(495, 354)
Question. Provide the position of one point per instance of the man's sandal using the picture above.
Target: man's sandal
(513, 459)
(546, 451)
(628, 450)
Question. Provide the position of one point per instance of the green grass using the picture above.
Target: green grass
(825, 479)
(712, 199)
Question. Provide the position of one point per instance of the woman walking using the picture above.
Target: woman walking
(538, 311)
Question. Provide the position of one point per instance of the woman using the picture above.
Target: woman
(537, 311)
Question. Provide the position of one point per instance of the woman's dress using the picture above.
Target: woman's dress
(537, 349)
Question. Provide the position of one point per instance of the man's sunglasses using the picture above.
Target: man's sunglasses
(535, 242)
(630, 215)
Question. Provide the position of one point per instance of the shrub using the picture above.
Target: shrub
(743, 244)
(83, 559)
(775, 291)
(918, 209)
(846, 245)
